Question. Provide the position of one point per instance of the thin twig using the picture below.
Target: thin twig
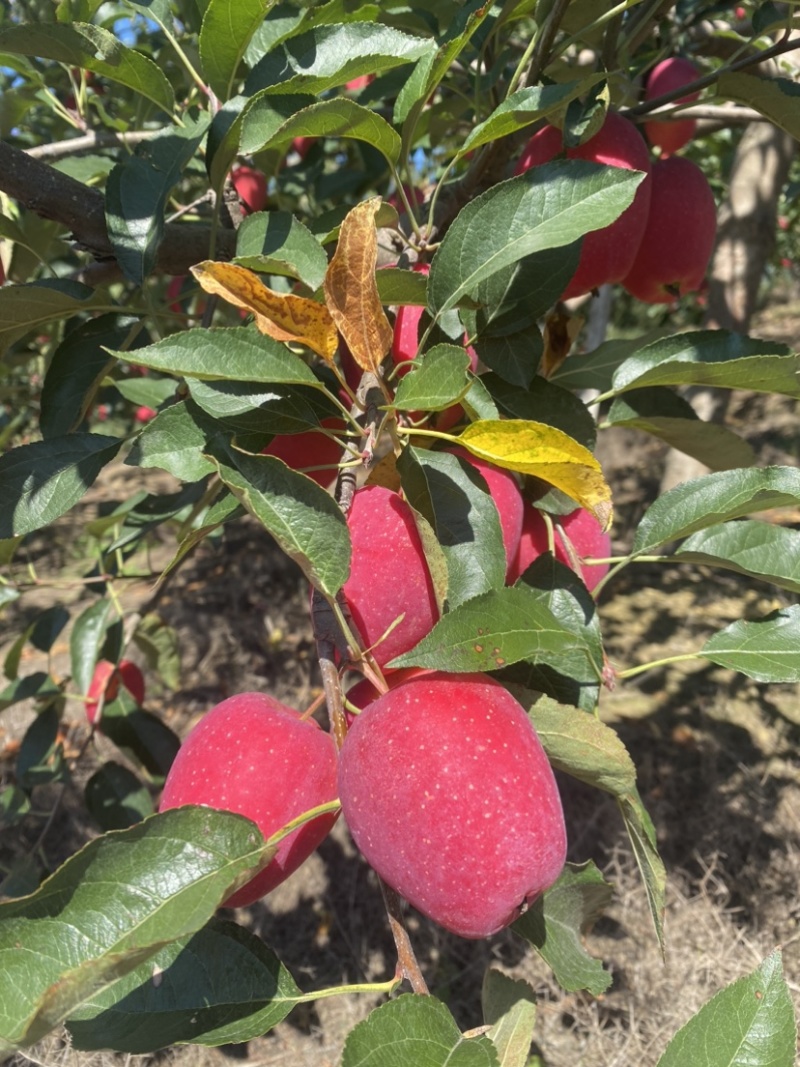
(89, 142)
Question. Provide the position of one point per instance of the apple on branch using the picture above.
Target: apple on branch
(449, 796)
(254, 756)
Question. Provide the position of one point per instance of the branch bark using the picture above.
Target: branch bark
(81, 209)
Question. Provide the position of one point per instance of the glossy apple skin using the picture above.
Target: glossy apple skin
(582, 529)
(254, 756)
(389, 575)
(505, 492)
(106, 681)
(607, 254)
(251, 187)
(307, 451)
(666, 76)
(679, 238)
(450, 798)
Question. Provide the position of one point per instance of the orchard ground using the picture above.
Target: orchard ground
(716, 754)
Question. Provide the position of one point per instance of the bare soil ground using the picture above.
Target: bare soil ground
(718, 770)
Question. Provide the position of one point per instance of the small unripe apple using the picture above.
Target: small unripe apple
(311, 452)
(389, 574)
(254, 756)
(450, 798)
(106, 681)
(251, 187)
(670, 74)
(607, 254)
(505, 492)
(679, 237)
(583, 532)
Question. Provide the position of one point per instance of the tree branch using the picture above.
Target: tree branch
(81, 210)
(76, 146)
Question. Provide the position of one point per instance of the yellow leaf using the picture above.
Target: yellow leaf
(547, 453)
(278, 315)
(351, 291)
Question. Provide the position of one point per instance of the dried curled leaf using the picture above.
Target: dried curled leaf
(278, 315)
(351, 291)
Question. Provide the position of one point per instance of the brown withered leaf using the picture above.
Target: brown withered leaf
(351, 291)
(284, 317)
(560, 331)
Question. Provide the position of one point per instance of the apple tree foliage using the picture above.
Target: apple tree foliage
(387, 132)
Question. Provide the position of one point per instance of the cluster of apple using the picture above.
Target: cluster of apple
(659, 248)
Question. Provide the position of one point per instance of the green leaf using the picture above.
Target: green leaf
(136, 195)
(642, 836)
(221, 985)
(452, 496)
(415, 1030)
(767, 649)
(225, 33)
(158, 643)
(41, 481)
(714, 358)
(595, 369)
(226, 353)
(546, 207)
(666, 415)
(149, 392)
(14, 806)
(41, 754)
(116, 798)
(328, 56)
(436, 380)
(584, 747)
(276, 243)
(714, 498)
(265, 125)
(750, 1023)
(76, 369)
(776, 98)
(521, 109)
(114, 905)
(39, 686)
(497, 628)
(174, 441)
(397, 286)
(139, 734)
(246, 407)
(305, 521)
(92, 48)
(86, 641)
(509, 1009)
(555, 922)
(29, 307)
(759, 549)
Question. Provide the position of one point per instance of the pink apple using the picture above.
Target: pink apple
(389, 575)
(450, 798)
(670, 74)
(251, 187)
(607, 254)
(312, 452)
(254, 756)
(679, 237)
(106, 681)
(583, 532)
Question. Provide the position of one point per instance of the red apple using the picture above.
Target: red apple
(364, 693)
(361, 82)
(144, 414)
(505, 492)
(251, 187)
(312, 452)
(449, 796)
(583, 532)
(670, 74)
(106, 681)
(679, 237)
(389, 575)
(254, 756)
(607, 254)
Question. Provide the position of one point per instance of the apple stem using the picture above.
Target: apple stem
(407, 963)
